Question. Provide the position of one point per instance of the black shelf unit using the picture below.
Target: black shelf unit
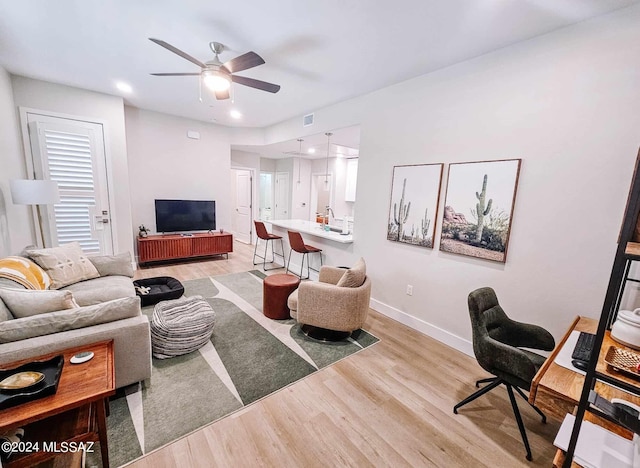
(626, 252)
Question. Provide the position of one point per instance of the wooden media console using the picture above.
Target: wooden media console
(175, 246)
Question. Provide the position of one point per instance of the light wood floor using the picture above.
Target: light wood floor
(389, 405)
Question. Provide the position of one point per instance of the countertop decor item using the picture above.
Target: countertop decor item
(626, 328)
(47, 385)
(21, 380)
(144, 232)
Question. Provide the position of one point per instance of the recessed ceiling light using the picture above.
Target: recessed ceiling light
(124, 87)
(311, 150)
(235, 114)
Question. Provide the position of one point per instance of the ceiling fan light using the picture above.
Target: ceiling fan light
(216, 81)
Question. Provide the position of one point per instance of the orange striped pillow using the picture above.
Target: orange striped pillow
(25, 272)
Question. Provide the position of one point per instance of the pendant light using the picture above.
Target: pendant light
(326, 174)
(300, 140)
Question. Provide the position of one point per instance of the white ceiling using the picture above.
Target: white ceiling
(345, 143)
(320, 52)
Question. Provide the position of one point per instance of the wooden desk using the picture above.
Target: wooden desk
(76, 413)
(556, 390)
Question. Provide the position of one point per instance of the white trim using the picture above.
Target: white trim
(448, 338)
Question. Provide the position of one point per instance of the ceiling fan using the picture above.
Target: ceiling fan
(217, 76)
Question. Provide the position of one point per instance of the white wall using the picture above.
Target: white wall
(568, 104)
(18, 218)
(301, 191)
(61, 99)
(267, 165)
(164, 163)
(245, 159)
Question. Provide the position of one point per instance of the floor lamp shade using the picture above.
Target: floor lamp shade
(34, 192)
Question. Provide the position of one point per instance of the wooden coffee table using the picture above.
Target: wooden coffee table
(72, 418)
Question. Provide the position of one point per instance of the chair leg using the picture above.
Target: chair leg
(537, 410)
(477, 394)
(255, 251)
(487, 380)
(282, 250)
(264, 259)
(516, 412)
(289, 261)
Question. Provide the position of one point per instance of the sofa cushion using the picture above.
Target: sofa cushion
(26, 302)
(24, 272)
(5, 313)
(65, 265)
(103, 289)
(113, 265)
(54, 322)
(354, 277)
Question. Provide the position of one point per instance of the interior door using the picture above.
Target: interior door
(266, 196)
(71, 152)
(282, 195)
(242, 198)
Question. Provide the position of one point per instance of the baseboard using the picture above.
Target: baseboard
(427, 328)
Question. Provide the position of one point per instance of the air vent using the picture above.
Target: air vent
(307, 120)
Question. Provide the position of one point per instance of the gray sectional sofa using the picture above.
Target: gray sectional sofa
(105, 308)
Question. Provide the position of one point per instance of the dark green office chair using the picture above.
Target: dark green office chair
(496, 343)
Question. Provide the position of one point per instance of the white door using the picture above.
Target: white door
(71, 152)
(242, 212)
(282, 195)
(265, 210)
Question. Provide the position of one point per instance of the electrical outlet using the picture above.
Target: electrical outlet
(409, 290)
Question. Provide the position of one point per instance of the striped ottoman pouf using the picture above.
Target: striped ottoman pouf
(180, 326)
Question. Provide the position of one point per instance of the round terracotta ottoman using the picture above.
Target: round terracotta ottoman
(275, 292)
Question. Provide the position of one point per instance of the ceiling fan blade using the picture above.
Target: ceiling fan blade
(220, 95)
(175, 74)
(243, 62)
(263, 85)
(177, 51)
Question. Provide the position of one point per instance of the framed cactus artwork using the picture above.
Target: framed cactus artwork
(478, 208)
(413, 210)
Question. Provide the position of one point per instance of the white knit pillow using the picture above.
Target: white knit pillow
(27, 302)
(65, 265)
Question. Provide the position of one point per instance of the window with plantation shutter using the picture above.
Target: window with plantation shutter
(72, 153)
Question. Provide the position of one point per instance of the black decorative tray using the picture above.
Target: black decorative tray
(51, 369)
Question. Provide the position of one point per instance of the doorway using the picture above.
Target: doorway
(72, 153)
(265, 206)
(242, 192)
(282, 195)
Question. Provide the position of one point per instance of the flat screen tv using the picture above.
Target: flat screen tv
(185, 215)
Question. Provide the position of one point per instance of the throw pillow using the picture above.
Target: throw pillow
(354, 276)
(65, 265)
(24, 272)
(113, 265)
(5, 313)
(25, 303)
(64, 320)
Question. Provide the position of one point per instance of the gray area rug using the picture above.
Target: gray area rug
(249, 357)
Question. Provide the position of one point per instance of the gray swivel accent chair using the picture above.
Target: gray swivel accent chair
(497, 343)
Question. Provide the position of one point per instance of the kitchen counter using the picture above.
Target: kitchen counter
(314, 229)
